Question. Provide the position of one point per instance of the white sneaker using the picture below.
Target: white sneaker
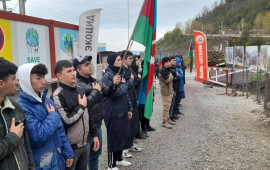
(135, 148)
(126, 154)
(115, 168)
(123, 163)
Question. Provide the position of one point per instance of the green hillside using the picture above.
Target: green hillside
(234, 17)
(230, 14)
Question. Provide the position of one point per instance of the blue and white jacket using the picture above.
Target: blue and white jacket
(48, 139)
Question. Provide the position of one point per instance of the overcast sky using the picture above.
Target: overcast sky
(114, 15)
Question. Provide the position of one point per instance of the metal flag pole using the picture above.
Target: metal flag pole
(129, 42)
(191, 59)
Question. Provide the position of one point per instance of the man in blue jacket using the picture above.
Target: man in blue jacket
(49, 143)
(181, 93)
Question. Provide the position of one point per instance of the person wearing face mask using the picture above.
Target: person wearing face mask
(118, 112)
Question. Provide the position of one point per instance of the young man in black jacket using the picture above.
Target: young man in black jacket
(173, 115)
(128, 74)
(73, 105)
(96, 104)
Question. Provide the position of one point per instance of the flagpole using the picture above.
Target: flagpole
(129, 46)
(191, 59)
(189, 46)
(128, 17)
(130, 39)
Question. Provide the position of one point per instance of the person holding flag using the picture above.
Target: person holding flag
(118, 112)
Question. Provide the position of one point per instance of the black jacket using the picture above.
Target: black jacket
(15, 153)
(116, 116)
(75, 117)
(96, 104)
(175, 79)
(135, 121)
(138, 80)
(164, 72)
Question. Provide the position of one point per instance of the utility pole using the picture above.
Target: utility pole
(4, 4)
(128, 18)
(227, 43)
(22, 6)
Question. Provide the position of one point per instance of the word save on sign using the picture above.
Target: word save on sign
(201, 55)
(33, 59)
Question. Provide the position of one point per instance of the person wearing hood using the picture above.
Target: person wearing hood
(49, 143)
(95, 90)
(118, 112)
(166, 90)
(181, 93)
(15, 149)
(183, 66)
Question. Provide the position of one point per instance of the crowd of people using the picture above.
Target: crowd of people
(63, 131)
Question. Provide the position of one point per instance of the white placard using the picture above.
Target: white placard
(229, 55)
(263, 57)
(252, 55)
(238, 55)
(31, 43)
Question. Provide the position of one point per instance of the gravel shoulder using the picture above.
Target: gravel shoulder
(216, 132)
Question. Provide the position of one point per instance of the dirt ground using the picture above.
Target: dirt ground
(216, 132)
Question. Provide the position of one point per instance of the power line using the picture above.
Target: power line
(15, 6)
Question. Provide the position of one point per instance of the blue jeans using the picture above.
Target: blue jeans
(93, 158)
(171, 108)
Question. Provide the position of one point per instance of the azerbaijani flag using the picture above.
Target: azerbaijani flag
(160, 59)
(190, 54)
(145, 34)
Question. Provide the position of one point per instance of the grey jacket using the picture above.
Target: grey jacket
(75, 116)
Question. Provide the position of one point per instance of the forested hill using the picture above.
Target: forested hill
(235, 14)
(239, 17)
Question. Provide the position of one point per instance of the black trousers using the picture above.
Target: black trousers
(177, 102)
(145, 123)
(113, 157)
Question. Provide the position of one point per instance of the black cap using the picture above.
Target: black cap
(80, 60)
